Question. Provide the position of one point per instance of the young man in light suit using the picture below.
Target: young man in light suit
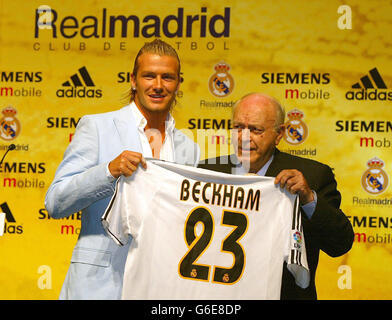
(106, 146)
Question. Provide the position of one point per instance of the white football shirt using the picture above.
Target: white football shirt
(200, 234)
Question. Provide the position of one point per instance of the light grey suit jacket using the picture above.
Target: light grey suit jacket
(81, 183)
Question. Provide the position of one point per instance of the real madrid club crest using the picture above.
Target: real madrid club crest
(296, 131)
(9, 124)
(375, 179)
(221, 83)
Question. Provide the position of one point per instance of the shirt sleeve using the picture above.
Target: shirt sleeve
(108, 174)
(80, 179)
(296, 259)
(115, 218)
(311, 206)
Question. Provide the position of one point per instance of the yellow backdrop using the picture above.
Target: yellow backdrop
(328, 63)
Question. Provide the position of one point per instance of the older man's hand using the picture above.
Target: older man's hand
(295, 182)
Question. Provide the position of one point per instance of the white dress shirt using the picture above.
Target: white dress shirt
(167, 148)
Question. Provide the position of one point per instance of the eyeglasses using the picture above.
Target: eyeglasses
(252, 130)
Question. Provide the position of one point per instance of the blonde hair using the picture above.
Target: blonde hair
(158, 47)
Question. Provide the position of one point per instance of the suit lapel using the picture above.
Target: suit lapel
(127, 129)
(275, 166)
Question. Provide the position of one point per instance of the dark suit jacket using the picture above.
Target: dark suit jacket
(328, 229)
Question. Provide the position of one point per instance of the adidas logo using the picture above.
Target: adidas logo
(79, 86)
(367, 83)
(7, 219)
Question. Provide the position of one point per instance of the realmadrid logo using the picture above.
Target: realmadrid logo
(194, 273)
(9, 124)
(221, 83)
(226, 278)
(296, 131)
(375, 180)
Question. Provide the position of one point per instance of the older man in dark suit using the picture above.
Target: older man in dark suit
(258, 123)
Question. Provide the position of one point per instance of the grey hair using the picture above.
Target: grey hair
(280, 110)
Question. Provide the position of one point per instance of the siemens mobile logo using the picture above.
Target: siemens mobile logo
(16, 83)
(106, 25)
(67, 226)
(295, 79)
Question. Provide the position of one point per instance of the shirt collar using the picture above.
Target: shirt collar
(170, 124)
(241, 170)
(264, 169)
(141, 121)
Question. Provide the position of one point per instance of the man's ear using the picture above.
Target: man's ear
(133, 81)
(178, 85)
(280, 132)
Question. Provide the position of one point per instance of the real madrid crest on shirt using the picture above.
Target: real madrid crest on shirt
(9, 124)
(296, 131)
(221, 83)
(375, 179)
